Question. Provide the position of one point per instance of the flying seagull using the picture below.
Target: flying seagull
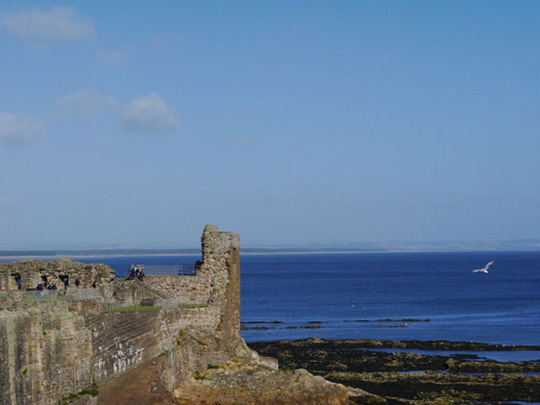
(483, 269)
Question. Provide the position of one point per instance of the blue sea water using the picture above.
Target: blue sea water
(349, 292)
(339, 289)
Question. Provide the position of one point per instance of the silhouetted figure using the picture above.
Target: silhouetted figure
(77, 282)
(134, 272)
(198, 265)
(18, 282)
(39, 287)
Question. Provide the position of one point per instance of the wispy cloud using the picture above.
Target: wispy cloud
(149, 114)
(17, 129)
(111, 58)
(84, 104)
(59, 23)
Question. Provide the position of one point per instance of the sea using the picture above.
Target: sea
(394, 296)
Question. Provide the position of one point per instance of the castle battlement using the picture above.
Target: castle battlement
(57, 344)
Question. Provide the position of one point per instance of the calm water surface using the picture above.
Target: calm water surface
(339, 290)
(500, 307)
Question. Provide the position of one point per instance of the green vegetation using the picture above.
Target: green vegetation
(25, 371)
(447, 396)
(245, 327)
(183, 333)
(193, 305)
(135, 308)
(200, 342)
(433, 379)
(198, 376)
(211, 367)
(92, 390)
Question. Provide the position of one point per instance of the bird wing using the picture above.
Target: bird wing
(480, 271)
(489, 264)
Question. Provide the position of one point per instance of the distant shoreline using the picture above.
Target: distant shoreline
(84, 256)
(261, 253)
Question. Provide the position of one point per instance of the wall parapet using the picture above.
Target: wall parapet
(28, 274)
(59, 342)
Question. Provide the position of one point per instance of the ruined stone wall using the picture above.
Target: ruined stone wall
(221, 264)
(32, 273)
(53, 349)
(44, 354)
(190, 337)
(186, 289)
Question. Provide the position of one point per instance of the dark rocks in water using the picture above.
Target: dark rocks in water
(244, 326)
(411, 376)
(402, 320)
(410, 320)
(454, 388)
(262, 322)
(312, 326)
(438, 345)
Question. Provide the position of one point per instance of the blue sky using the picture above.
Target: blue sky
(134, 123)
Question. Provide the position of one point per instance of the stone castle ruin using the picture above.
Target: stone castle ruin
(74, 344)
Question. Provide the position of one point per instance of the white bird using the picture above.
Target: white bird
(483, 269)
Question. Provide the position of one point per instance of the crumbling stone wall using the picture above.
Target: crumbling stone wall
(44, 354)
(190, 337)
(56, 348)
(32, 273)
(185, 289)
(221, 264)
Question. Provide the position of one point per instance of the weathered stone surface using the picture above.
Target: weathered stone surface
(238, 383)
(142, 385)
(56, 345)
(45, 352)
(32, 273)
(411, 377)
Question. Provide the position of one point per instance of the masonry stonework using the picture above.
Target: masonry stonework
(58, 343)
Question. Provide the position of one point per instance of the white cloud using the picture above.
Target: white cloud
(17, 129)
(111, 58)
(59, 23)
(85, 104)
(149, 114)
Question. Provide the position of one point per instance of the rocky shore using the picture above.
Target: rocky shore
(398, 372)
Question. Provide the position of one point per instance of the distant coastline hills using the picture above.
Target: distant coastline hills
(516, 245)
